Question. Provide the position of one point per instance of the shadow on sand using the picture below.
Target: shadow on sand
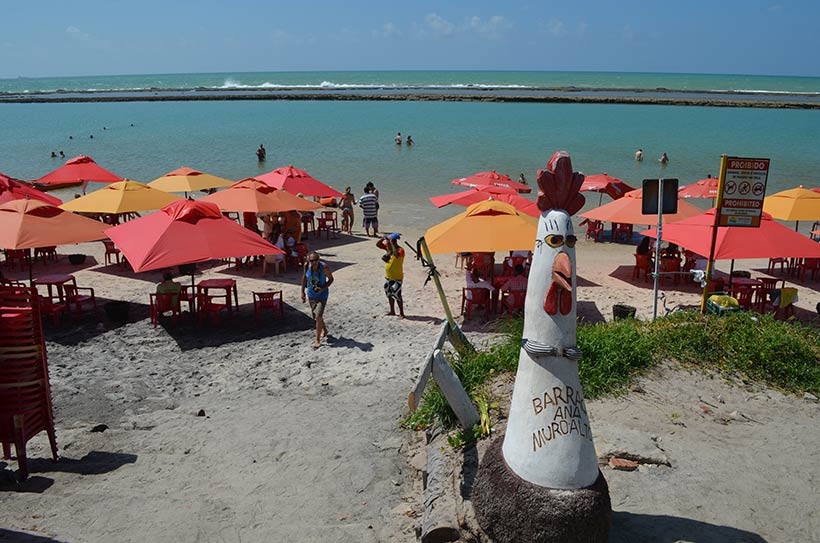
(631, 527)
(11, 536)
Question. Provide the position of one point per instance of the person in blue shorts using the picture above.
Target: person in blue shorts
(316, 280)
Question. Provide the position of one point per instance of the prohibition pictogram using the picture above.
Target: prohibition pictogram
(745, 187)
(731, 187)
(757, 189)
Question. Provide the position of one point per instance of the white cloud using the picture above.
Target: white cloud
(387, 30)
(77, 34)
(494, 27)
(439, 25)
(556, 28)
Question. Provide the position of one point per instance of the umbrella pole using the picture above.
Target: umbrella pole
(731, 271)
(711, 261)
(455, 333)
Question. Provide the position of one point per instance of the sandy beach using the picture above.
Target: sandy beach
(243, 432)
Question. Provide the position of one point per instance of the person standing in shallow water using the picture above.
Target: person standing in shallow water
(664, 160)
(397, 139)
(639, 155)
(410, 140)
(261, 153)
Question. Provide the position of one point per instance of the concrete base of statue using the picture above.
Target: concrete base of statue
(511, 509)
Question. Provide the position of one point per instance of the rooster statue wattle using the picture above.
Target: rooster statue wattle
(548, 443)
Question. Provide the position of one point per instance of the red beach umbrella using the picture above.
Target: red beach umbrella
(770, 240)
(251, 195)
(705, 188)
(627, 210)
(184, 232)
(491, 178)
(296, 181)
(14, 189)
(28, 224)
(605, 184)
(78, 170)
(470, 197)
(484, 191)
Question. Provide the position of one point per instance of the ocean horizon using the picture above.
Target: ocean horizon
(350, 141)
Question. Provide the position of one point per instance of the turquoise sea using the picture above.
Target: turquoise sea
(350, 142)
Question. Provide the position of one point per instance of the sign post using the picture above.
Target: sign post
(666, 201)
(741, 189)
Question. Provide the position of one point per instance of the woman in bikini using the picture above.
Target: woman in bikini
(346, 204)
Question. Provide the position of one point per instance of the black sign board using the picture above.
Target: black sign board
(649, 204)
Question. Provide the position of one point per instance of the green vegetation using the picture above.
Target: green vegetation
(784, 355)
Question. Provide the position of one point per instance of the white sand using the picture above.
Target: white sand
(304, 445)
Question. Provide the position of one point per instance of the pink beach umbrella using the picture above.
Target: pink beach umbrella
(14, 189)
(79, 170)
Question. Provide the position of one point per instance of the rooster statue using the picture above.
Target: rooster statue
(543, 482)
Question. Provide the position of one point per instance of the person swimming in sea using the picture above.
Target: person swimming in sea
(410, 140)
(397, 139)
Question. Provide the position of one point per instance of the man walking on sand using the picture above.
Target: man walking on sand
(393, 271)
(369, 203)
(317, 278)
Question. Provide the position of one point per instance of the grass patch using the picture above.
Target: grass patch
(784, 355)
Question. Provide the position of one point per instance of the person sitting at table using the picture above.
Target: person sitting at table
(518, 281)
(169, 286)
(290, 243)
(671, 251)
(474, 280)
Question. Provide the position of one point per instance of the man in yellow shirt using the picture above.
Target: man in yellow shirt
(393, 271)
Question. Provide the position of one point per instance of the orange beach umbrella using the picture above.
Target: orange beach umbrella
(486, 226)
(627, 210)
(253, 195)
(121, 197)
(797, 204)
(28, 224)
(187, 180)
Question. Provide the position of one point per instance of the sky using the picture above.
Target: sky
(94, 37)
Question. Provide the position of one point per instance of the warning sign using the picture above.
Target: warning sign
(744, 188)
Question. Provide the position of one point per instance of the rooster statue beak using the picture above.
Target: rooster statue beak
(559, 296)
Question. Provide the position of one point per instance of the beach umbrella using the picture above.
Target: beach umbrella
(484, 192)
(185, 232)
(605, 184)
(187, 180)
(486, 226)
(14, 189)
(252, 195)
(296, 181)
(797, 204)
(79, 170)
(627, 210)
(121, 197)
(770, 240)
(29, 224)
(469, 197)
(491, 178)
(705, 188)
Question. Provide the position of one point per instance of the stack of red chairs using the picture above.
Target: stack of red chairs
(25, 392)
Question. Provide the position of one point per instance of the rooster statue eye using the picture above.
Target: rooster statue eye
(554, 240)
(570, 243)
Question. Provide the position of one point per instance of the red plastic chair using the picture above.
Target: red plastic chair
(778, 261)
(23, 256)
(49, 307)
(621, 231)
(73, 296)
(268, 300)
(642, 263)
(810, 265)
(300, 258)
(111, 252)
(46, 254)
(25, 393)
(207, 304)
(478, 297)
(164, 302)
(595, 229)
(485, 262)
